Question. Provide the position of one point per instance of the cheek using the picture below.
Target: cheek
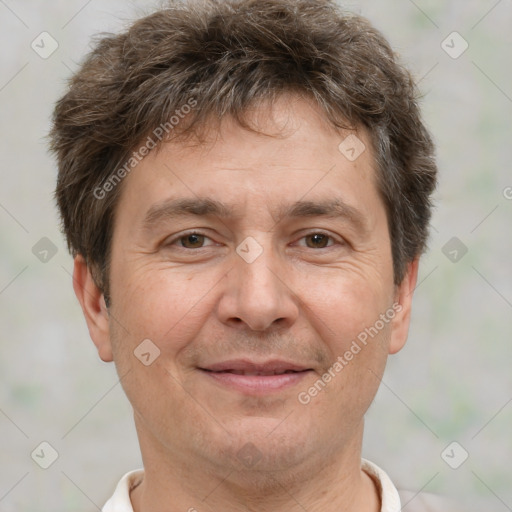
(166, 306)
(344, 307)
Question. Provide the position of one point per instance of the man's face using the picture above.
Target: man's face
(240, 259)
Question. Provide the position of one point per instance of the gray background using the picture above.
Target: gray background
(452, 382)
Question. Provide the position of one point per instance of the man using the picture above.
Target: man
(245, 188)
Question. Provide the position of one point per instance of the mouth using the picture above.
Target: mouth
(249, 377)
(251, 373)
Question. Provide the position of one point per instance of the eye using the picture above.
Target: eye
(191, 241)
(318, 240)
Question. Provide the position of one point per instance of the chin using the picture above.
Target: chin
(269, 464)
(264, 445)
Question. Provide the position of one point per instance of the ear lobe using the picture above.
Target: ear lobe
(93, 306)
(403, 297)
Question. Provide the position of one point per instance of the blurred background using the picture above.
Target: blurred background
(442, 421)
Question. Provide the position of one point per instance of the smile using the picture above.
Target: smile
(260, 374)
(252, 378)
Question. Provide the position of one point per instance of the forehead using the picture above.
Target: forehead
(294, 155)
(292, 126)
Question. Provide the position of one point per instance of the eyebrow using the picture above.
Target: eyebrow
(206, 207)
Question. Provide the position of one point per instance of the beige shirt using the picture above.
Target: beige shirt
(391, 499)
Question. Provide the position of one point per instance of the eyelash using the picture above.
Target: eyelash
(185, 235)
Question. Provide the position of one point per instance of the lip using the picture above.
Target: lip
(251, 366)
(258, 378)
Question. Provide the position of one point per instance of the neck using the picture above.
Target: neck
(175, 483)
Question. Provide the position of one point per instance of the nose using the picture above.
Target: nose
(257, 296)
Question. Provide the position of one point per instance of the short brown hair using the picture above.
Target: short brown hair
(227, 56)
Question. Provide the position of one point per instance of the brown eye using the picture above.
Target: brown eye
(317, 241)
(192, 241)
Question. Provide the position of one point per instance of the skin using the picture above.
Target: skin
(304, 299)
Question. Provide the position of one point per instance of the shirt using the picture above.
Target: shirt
(389, 496)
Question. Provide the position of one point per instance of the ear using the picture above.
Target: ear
(403, 300)
(93, 306)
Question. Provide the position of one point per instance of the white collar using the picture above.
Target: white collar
(390, 500)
